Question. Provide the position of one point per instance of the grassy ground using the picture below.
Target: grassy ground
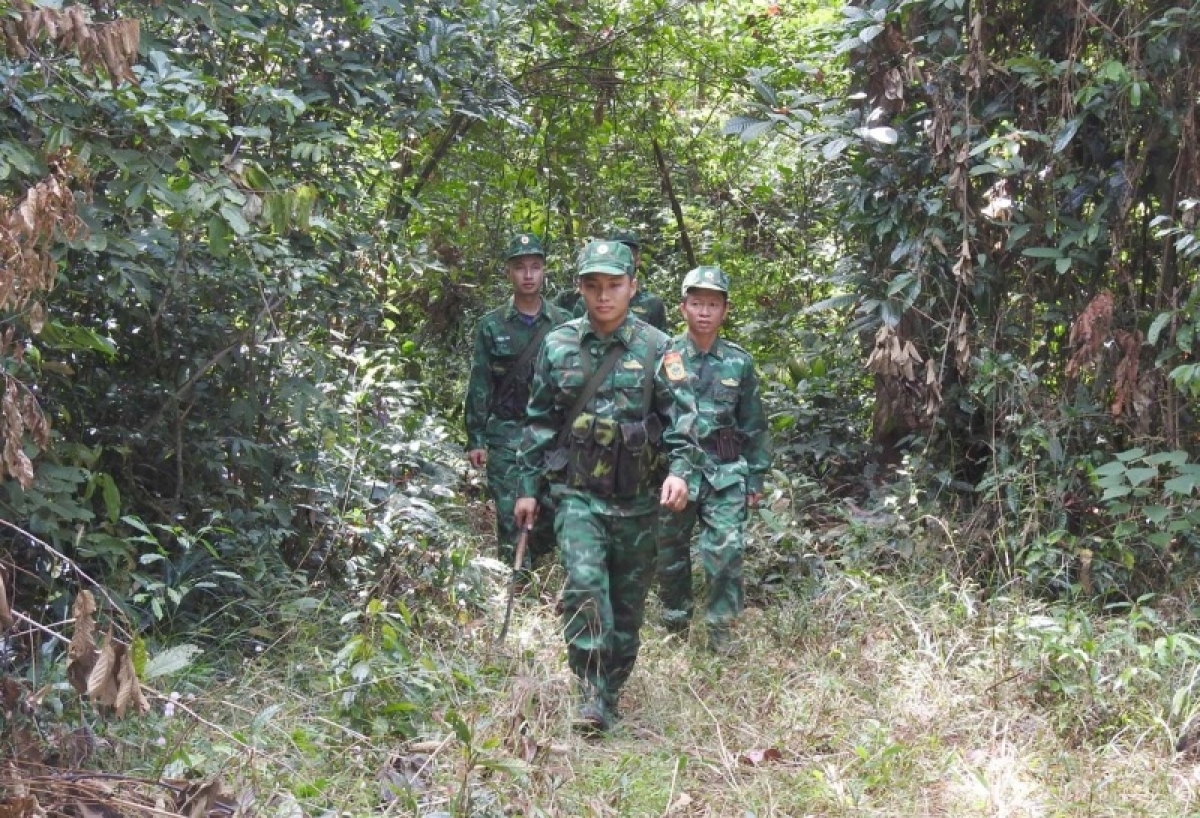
(905, 695)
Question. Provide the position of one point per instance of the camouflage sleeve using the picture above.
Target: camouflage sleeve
(752, 423)
(479, 387)
(568, 301)
(675, 403)
(558, 315)
(656, 316)
(543, 419)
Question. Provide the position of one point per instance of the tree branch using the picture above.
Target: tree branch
(458, 126)
(665, 173)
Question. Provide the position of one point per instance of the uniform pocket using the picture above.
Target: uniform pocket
(629, 387)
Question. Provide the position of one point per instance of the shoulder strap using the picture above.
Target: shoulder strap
(593, 383)
(648, 385)
(526, 356)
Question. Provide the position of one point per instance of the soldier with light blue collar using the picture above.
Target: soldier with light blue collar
(507, 342)
(732, 431)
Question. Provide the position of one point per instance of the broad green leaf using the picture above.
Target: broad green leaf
(1183, 485)
(264, 716)
(1131, 454)
(461, 730)
(1175, 458)
(1157, 326)
(1139, 476)
(752, 132)
(834, 302)
(834, 147)
(1156, 514)
(1113, 492)
(234, 218)
(900, 282)
(883, 135)
(1066, 133)
(171, 660)
(735, 126)
(111, 496)
(218, 237)
(1042, 252)
(60, 336)
(870, 32)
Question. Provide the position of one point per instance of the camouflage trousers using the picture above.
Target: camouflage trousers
(722, 517)
(609, 562)
(502, 486)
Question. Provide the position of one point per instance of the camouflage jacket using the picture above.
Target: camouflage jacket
(727, 397)
(645, 305)
(500, 338)
(559, 378)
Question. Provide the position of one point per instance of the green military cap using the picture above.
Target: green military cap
(607, 257)
(709, 277)
(524, 244)
(627, 237)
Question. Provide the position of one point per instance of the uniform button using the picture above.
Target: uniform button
(595, 350)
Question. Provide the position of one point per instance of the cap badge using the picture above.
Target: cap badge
(524, 239)
(602, 249)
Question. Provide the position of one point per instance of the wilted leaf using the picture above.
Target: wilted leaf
(6, 617)
(404, 775)
(197, 800)
(129, 693)
(103, 685)
(81, 654)
(682, 802)
(757, 758)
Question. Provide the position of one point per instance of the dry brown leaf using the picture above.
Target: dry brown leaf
(933, 389)
(23, 806)
(964, 268)
(6, 617)
(682, 802)
(962, 346)
(11, 695)
(1089, 332)
(1125, 382)
(103, 685)
(17, 463)
(199, 798)
(129, 693)
(81, 654)
(93, 809)
(35, 421)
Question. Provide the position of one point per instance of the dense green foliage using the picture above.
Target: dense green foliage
(242, 246)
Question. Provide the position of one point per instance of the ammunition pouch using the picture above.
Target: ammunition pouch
(510, 398)
(725, 446)
(639, 457)
(610, 459)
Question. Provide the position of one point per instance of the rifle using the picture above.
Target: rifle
(518, 564)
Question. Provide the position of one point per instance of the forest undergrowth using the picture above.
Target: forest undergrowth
(895, 690)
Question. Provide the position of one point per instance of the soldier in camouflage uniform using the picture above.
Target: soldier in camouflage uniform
(732, 431)
(608, 404)
(645, 304)
(498, 388)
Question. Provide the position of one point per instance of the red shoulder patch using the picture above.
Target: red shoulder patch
(673, 365)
